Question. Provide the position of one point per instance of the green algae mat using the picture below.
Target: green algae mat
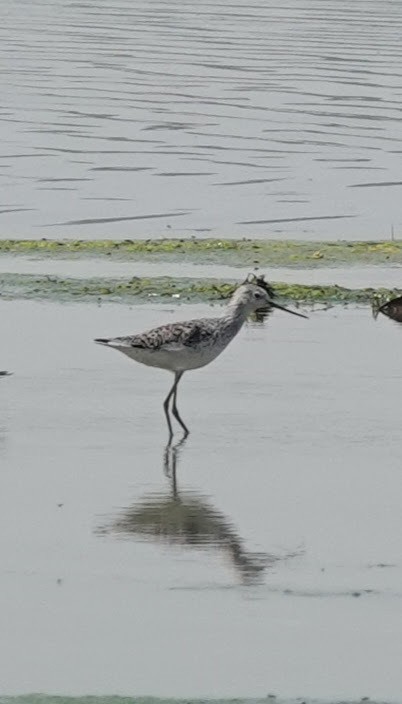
(235, 253)
(168, 289)
(244, 252)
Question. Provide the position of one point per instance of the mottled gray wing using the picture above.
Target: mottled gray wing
(190, 333)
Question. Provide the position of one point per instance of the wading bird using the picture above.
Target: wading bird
(392, 309)
(179, 347)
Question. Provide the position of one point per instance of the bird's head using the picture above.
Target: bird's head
(251, 297)
(256, 294)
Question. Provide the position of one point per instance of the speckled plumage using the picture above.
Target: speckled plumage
(180, 346)
(192, 344)
(190, 332)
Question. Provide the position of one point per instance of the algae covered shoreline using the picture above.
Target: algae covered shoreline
(231, 252)
(177, 290)
(185, 285)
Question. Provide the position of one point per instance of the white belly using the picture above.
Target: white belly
(175, 358)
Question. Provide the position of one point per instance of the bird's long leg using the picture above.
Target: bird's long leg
(172, 391)
(174, 406)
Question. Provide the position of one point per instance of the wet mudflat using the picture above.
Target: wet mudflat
(281, 572)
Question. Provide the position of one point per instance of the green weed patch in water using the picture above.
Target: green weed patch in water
(245, 252)
(160, 289)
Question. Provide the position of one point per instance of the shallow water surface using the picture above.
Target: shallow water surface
(229, 118)
(269, 544)
(386, 276)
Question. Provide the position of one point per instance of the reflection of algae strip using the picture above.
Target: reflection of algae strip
(230, 252)
(56, 288)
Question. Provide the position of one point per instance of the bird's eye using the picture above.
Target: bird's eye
(257, 295)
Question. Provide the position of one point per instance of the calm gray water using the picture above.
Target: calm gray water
(271, 564)
(137, 118)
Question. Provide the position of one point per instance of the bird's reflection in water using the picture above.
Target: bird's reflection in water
(188, 519)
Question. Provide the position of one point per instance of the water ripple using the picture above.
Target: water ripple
(296, 87)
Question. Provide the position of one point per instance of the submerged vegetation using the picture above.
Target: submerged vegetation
(244, 252)
(237, 253)
(162, 289)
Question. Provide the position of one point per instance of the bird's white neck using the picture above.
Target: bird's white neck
(235, 315)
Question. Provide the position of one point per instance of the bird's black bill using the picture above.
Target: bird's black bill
(292, 312)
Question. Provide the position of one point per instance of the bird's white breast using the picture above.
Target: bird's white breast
(174, 356)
